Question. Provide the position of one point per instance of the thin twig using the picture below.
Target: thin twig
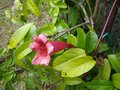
(59, 34)
(54, 84)
(108, 23)
(96, 9)
(6, 6)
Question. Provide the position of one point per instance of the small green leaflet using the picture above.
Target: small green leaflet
(115, 61)
(81, 38)
(116, 80)
(73, 62)
(72, 81)
(47, 29)
(19, 35)
(99, 85)
(91, 41)
(33, 8)
(72, 40)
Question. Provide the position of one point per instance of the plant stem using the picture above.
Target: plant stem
(108, 23)
(59, 34)
(96, 9)
(6, 6)
(54, 84)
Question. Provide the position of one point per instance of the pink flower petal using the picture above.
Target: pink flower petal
(36, 39)
(49, 47)
(58, 46)
(41, 60)
(43, 38)
(35, 46)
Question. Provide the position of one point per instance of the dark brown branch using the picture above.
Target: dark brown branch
(59, 34)
(109, 22)
(96, 9)
(6, 6)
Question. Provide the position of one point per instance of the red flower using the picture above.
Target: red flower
(45, 48)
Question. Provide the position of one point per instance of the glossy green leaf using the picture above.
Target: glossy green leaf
(22, 48)
(115, 62)
(33, 8)
(72, 40)
(55, 11)
(48, 29)
(60, 25)
(24, 53)
(19, 35)
(91, 41)
(73, 62)
(30, 34)
(72, 81)
(72, 16)
(52, 4)
(81, 38)
(24, 10)
(116, 80)
(62, 5)
(99, 85)
(8, 76)
(20, 53)
(106, 70)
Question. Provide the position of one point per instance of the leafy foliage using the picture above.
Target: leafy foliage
(80, 66)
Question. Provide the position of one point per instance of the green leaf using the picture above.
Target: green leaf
(91, 41)
(72, 81)
(33, 8)
(8, 76)
(55, 11)
(48, 29)
(30, 34)
(116, 80)
(8, 86)
(72, 16)
(72, 40)
(17, 4)
(52, 4)
(61, 26)
(21, 52)
(90, 27)
(61, 86)
(103, 47)
(106, 70)
(19, 35)
(99, 85)
(22, 48)
(73, 62)
(30, 85)
(24, 53)
(81, 38)
(115, 62)
(62, 5)
(24, 10)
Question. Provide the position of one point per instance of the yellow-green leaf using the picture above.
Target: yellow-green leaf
(19, 35)
(33, 8)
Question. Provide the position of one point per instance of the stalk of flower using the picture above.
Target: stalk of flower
(45, 48)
